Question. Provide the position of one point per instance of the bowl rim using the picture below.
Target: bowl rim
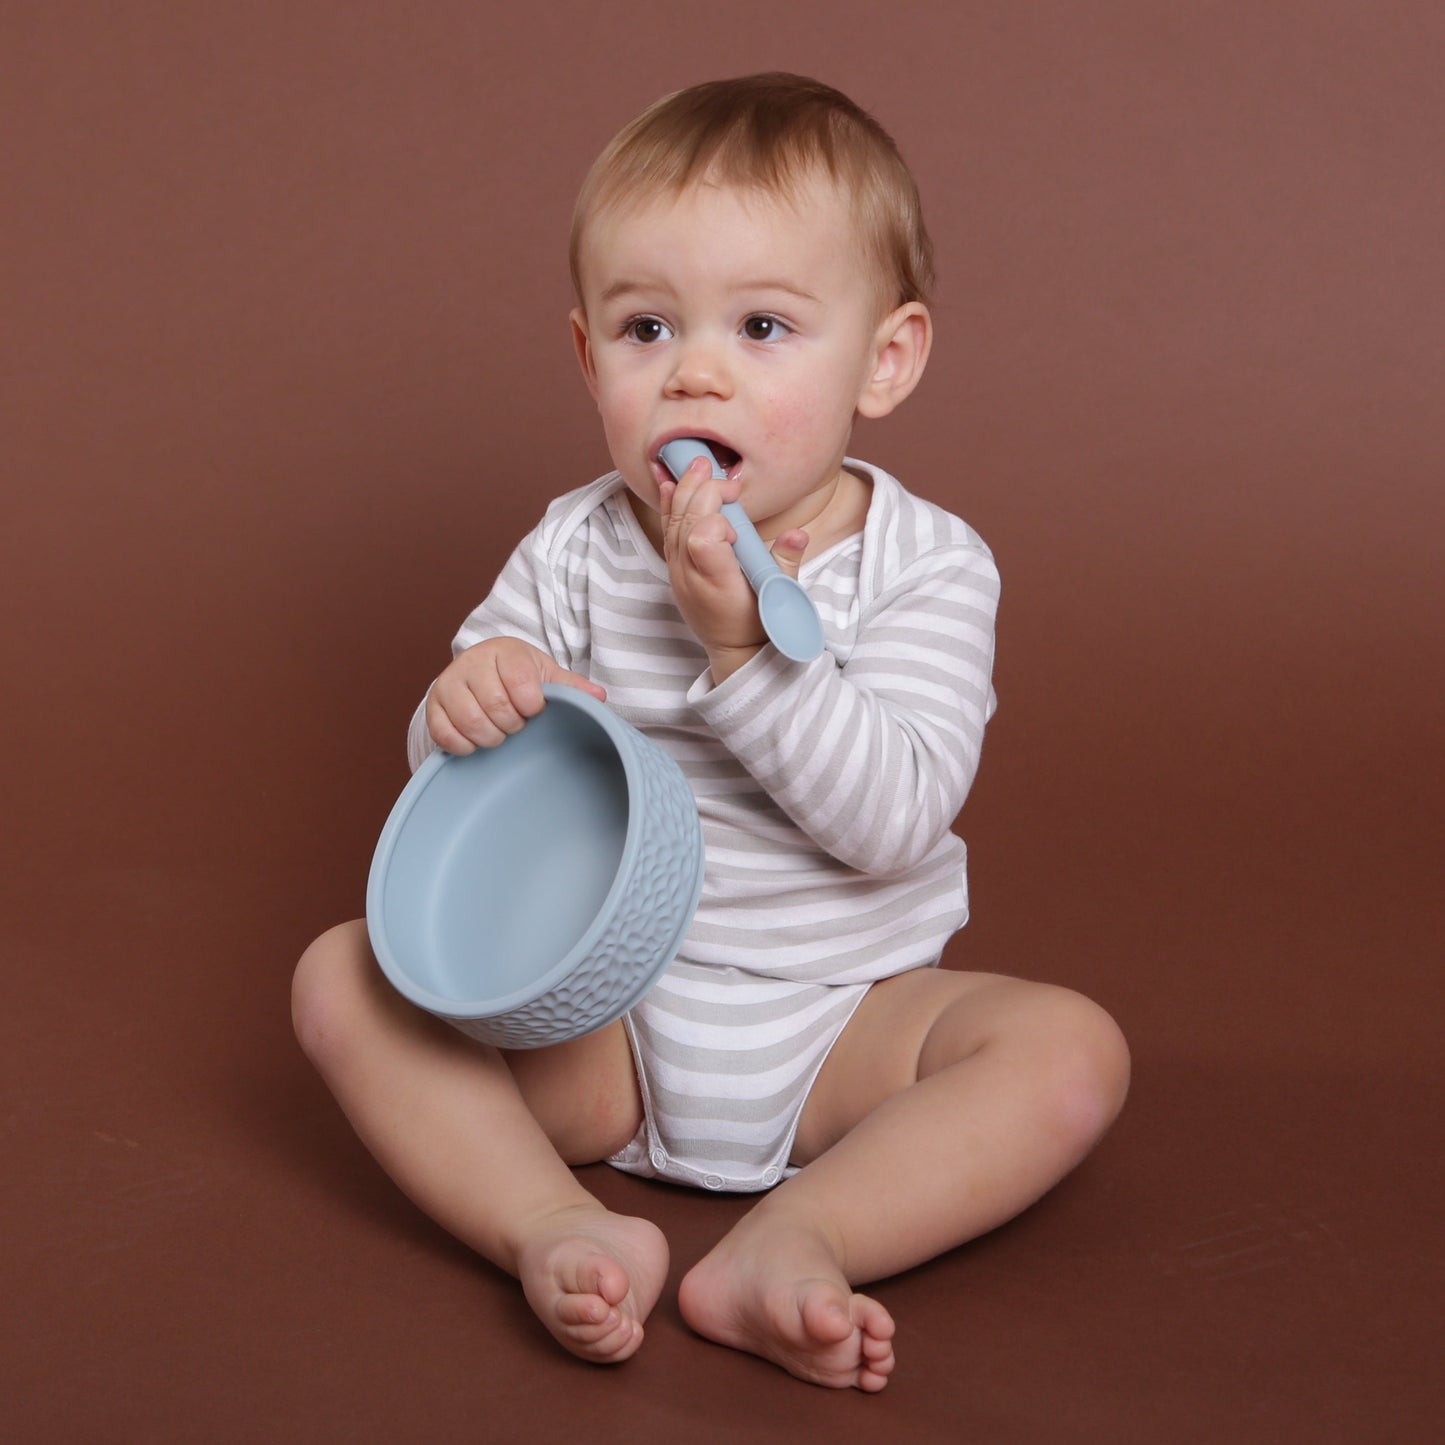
(489, 1008)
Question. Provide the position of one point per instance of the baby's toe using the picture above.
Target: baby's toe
(877, 1353)
(870, 1381)
(580, 1310)
(598, 1276)
(870, 1317)
(825, 1316)
(592, 1327)
(614, 1340)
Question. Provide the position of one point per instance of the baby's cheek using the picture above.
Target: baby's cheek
(805, 434)
(791, 423)
(622, 443)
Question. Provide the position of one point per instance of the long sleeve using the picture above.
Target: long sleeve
(872, 758)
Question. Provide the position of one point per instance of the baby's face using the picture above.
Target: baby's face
(731, 316)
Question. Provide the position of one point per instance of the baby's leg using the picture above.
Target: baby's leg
(951, 1102)
(484, 1148)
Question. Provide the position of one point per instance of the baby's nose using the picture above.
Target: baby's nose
(700, 369)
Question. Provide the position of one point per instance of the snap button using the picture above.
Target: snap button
(711, 1181)
(659, 1159)
(771, 1176)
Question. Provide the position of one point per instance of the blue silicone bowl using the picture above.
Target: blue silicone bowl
(533, 892)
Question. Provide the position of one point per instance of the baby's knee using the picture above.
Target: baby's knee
(1088, 1065)
(327, 988)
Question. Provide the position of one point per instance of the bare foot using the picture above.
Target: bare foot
(777, 1291)
(592, 1277)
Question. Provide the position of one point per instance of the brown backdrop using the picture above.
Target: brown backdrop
(285, 374)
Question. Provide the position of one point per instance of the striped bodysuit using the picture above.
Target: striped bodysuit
(826, 791)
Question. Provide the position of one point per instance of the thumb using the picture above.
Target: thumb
(788, 549)
(554, 672)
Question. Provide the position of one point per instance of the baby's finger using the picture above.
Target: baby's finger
(493, 715)
(693, 489)
(459, 726)
(709, 545)
(444, 734)
(554, 673)
(520, 679)
(788, 549)
(665, 493)
(474, 702)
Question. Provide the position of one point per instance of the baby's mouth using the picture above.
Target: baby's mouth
(726, 457)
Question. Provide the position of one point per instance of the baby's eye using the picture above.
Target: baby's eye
(764, 328)
(647, 329)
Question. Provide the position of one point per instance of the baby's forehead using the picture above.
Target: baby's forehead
(814, 199)
(793, 195)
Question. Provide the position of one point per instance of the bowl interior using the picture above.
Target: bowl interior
(503, 862)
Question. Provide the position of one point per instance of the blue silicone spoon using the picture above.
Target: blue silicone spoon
(788, 615)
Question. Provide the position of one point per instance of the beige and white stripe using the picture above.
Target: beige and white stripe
(827, 791)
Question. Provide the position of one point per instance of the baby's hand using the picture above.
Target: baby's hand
(490, 691)
(710, 588)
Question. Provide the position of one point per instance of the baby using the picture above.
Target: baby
(752, 269)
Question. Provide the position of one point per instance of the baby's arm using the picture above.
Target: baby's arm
(873, 759)
(490, 690)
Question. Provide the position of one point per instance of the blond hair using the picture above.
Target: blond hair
(770, 133)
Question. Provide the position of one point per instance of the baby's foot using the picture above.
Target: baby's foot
(777, 1291)
(592, 1277)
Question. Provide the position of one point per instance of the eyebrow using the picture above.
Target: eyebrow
(624, 288)
(621, 288)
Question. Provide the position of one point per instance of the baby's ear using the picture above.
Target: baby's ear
(582, 344)
(901, 345)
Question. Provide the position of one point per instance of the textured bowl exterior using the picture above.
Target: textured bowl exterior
(655, 906)
(651, 904)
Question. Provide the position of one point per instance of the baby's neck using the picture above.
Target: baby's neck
(844, 515)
